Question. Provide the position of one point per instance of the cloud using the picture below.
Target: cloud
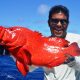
(40, 22)
(43, 9)
(20, 20)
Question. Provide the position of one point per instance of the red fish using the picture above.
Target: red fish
(32, 48)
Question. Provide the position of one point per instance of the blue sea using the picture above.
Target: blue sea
(9, 71)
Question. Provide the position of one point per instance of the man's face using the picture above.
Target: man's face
(58, 25)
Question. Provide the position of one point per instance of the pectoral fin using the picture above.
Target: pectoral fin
(22, 68)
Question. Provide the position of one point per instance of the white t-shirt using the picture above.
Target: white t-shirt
(65, 71)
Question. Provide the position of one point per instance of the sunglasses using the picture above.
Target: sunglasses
(62, 21)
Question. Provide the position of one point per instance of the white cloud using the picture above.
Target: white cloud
(43, 9)
(20, 20)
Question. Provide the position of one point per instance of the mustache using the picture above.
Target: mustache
(59, 28)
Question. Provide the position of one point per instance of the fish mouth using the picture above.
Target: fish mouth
(58, 33)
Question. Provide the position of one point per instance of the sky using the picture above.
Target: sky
(33, 14)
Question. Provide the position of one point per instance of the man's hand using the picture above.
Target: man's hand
(69, 59)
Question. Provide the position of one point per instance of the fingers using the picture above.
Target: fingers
(69, 58)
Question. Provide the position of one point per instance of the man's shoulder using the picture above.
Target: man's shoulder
(72, 37)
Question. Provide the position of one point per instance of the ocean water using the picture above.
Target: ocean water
(9, 71)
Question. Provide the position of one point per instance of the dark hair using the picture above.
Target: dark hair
(57, 9)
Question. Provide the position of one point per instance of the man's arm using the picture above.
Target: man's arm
(73, 62)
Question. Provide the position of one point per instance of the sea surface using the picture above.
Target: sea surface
(9, 71)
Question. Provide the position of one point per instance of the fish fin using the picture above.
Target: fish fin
(73, 49)
(22, 68)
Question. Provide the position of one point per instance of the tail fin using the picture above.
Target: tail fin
(73, 49)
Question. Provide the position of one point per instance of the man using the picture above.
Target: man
(58, 23)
